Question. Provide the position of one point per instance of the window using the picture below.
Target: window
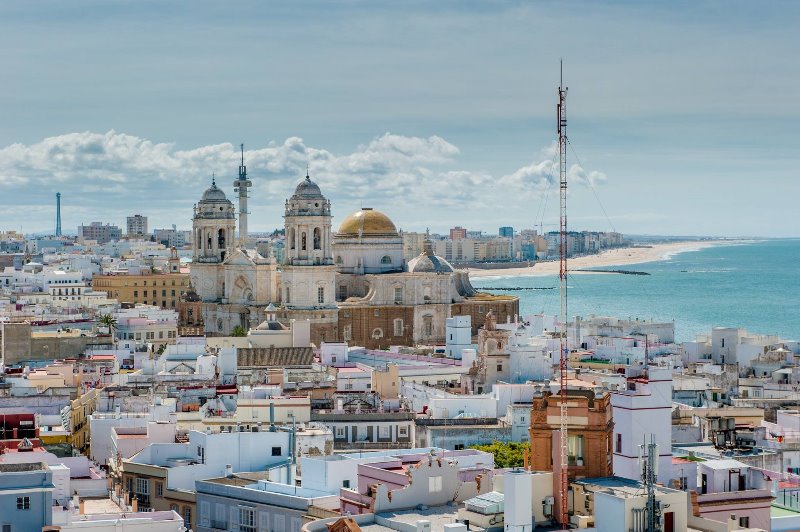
(499, 367)
(23, 503)
(174, 508)
(398, 295)
(744, 522)
(276, 451)
(130, 484)
(619, 442)
(163, 293)
(575, 450)
(459, 447)
(427, 326)
(386, 259)
(135, 293)
(345, 483)
(159, 489)
(347, 333)
(142, 486)
(187, 516)
(402, 432)
(383, 432)
(320, 294)
(434, 484)
(172, 292)
(376, 313)
(247, 520)
(348, 386)
(288, 294)
(340, 432)
(398, 327)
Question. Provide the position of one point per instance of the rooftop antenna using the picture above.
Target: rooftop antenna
(561, 117)
(648, 461)
(241, 186)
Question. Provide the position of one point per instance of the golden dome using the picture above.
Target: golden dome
(367, 222)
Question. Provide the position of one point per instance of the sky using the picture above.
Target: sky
(683, 116)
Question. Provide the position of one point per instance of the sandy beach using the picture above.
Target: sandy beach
(613, 258)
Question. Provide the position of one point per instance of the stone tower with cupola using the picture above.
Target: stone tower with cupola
(308, 273)
(213, 225)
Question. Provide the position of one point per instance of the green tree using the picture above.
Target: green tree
(238, 331)
(107, 320)
(505, 454)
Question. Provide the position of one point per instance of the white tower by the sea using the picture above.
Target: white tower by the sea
(240, 186)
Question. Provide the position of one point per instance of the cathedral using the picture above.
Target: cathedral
(353, 285)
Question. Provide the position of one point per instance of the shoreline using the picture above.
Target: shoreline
(609, 258)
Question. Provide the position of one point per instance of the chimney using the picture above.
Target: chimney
(228, 471)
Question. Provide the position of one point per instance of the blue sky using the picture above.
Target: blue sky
(684, 116)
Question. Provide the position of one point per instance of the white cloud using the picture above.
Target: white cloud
(111, 175)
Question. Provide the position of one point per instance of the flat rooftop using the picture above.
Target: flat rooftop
(22, 468)
(438, 517)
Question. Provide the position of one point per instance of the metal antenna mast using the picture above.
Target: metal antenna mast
(241, 185)
(648, 461)
(562, 164)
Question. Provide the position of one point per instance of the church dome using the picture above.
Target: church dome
(426, 263)
(368, 222)
(214, 194)
(308, 189)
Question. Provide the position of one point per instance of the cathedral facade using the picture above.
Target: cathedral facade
(352, 285)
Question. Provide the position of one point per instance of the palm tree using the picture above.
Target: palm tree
(107, 320)
(238, 331)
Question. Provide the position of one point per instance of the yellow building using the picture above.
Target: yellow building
(162, 289)
(79, 411)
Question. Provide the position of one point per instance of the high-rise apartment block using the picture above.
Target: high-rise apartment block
(99, 232)
(457, 233)
(137, 225)
(506, 231)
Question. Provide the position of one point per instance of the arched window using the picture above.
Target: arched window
(377, 333)
(288, 294)
(339, 259)
(386, 259)
(427, 326)
(317, 238)
(198, 239)
(303, 241)
(210, 241)
(221, 239)
(291, 238)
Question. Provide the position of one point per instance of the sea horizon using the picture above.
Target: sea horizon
(745, 283)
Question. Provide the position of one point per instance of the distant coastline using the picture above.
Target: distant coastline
(636, 254)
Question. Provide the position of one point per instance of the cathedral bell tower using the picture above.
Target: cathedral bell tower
(213, 227)
(308, 278)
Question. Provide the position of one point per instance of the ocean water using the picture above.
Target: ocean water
(755, 286)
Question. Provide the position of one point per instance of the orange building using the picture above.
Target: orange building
(589, 433)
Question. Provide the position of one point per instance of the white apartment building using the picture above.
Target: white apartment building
(146, 323)
(643, 409)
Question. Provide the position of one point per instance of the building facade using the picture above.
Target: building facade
(160, 289)
(136, 225)
(98, 232)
